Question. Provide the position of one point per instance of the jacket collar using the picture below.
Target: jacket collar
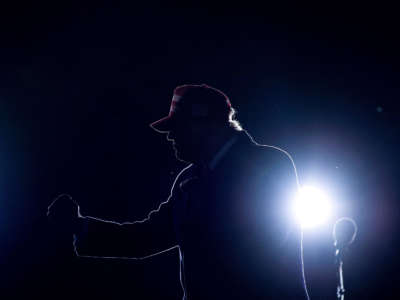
(221, 152)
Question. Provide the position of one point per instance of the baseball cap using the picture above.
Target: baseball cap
(192, 101)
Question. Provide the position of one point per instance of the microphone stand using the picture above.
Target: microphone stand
(339, 272)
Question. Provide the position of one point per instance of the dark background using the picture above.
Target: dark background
(81, 81)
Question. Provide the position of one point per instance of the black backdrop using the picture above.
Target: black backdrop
(80, 82)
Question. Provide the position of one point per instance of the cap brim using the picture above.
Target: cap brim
(163, 125)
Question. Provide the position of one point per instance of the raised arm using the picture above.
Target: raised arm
(94, 237)
(139, 239)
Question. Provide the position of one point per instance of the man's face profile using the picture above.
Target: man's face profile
(189, 139)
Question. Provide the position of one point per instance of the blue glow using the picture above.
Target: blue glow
(312, 207)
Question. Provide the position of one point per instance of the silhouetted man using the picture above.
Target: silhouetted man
(228, 211)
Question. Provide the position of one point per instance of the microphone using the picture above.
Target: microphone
(344, 232)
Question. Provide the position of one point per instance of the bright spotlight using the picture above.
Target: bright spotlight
(312, 207)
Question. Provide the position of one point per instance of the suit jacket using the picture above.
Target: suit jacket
(231, 221)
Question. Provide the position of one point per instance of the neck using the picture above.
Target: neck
(215, 143)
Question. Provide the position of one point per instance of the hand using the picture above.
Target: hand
(63, 214)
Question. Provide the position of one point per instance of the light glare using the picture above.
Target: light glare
(312, 207)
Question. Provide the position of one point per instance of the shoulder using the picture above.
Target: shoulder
(181, 177)
(274, 164)
(263, 158)
(263, 152)
(184, 175)
(271, 157)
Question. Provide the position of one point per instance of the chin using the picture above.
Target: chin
(182, 158)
